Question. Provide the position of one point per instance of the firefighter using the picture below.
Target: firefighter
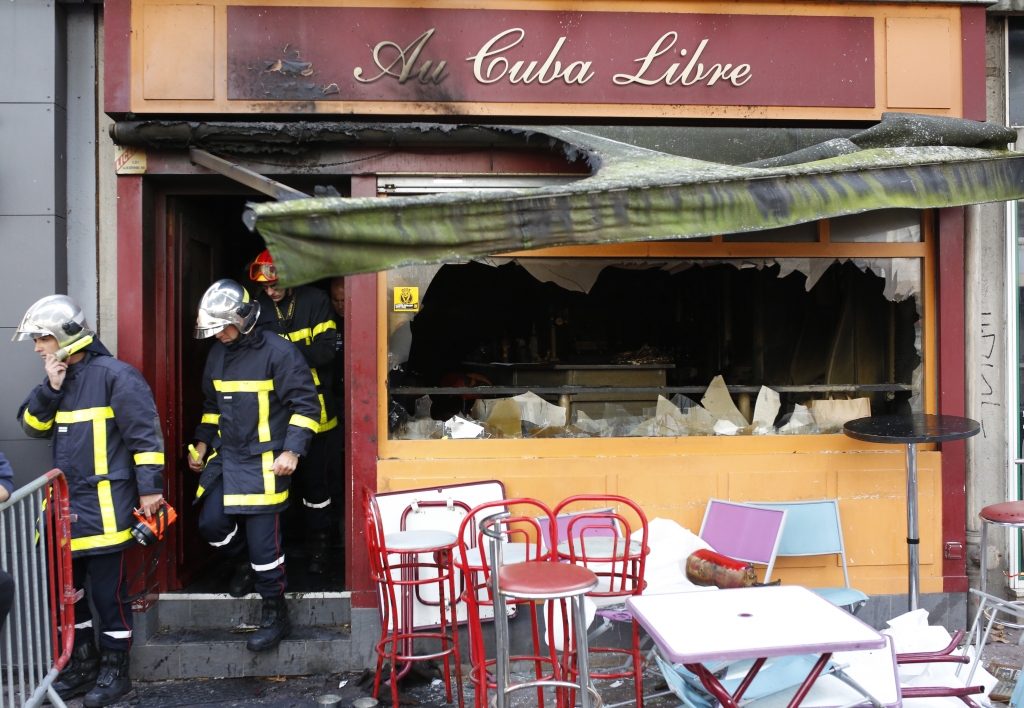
(303, 315)
(260, 412)
(107, 439)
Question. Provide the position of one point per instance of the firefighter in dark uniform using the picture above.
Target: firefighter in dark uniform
(303, 316)
(260, 412)
(107, 439)
(338, 389)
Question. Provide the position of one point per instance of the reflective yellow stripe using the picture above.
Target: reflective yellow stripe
(99, 417)
(211, 418)
(269, 497)
(305, 334)
(36, 423)
(199, 491)
(101, 541)
(329, 425)
(264, 424)
(304, 422)
(149, 458)
(243, 386)
(316, 376)
(323, 327)
(323, 409)
(84, 415)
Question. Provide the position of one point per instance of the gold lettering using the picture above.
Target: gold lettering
(514, 76)
(547, 64)
(689, 67)
(408, 58)
(488, 51)
(582, 77)
(739, 72)
(719, 72)
(656, 51)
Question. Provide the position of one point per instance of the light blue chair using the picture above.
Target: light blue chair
(813, 529)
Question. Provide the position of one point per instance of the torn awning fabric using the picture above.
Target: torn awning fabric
(634, 194)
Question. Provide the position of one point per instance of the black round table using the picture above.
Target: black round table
(910, 430)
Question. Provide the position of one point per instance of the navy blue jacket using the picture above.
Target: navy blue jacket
(6, 474)
(106, 439)
(311, 328)
(261, 400)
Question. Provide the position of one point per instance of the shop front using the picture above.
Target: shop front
(674, 301)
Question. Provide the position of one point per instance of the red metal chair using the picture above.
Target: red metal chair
(942, 656)
(471, 559)
(397, 635)
(617, 559)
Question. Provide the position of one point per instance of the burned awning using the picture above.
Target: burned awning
(635, 194)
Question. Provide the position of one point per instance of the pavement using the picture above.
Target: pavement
(302, 692)
(418, 690)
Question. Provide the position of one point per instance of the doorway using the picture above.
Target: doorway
(207, 241)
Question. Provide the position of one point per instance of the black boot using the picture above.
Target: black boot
(243, 581)
(113, 682)
(319, 551)
(273, 627)
(80, 673)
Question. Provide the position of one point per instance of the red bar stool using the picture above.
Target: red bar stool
(1008, 514)
(602, 540)
(537, 581)
(472, 560)
(397, 634)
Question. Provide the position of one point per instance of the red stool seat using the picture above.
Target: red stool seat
(541, 579)
(1006, 513)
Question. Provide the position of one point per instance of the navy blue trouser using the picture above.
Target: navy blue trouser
(6, 595)
(232, 534)
(108, 588)
(315, 478)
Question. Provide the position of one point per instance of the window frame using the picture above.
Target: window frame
(716, 248)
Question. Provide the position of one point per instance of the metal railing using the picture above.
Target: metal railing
(38, 637)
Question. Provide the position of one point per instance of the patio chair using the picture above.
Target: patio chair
(744, 532)
(813, 528)
(602, 540)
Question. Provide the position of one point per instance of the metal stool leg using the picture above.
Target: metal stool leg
(582, 655)
(983, 554)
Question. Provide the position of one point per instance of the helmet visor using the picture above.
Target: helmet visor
(208, 325)
(263, 273)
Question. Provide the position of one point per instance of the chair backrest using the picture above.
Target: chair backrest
(606, 526)
(620, 566)
(812, 528)
(744, 532)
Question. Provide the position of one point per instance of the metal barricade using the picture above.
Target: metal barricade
(35, 548)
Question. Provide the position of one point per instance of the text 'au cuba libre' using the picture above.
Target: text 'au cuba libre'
(496, 62)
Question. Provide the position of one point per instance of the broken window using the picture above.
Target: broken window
(642, 347)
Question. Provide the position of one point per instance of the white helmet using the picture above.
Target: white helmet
(58, 316)
(226, 303)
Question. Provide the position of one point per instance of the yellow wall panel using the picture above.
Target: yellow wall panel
(178, 52)
(870, 486)
(919, 71)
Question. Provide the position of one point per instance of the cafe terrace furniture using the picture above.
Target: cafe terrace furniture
(538, 581)
(397, 583)
(910, 430)
(522, 542)
(618, 561)
(744, 532)
(813, 528)
(759, 623)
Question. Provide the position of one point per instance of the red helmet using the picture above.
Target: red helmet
(263, 269)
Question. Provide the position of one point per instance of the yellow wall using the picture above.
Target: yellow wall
(869, 482)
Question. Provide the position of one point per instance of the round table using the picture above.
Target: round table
(910, 430)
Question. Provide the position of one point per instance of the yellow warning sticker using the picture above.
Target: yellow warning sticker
(407, 299)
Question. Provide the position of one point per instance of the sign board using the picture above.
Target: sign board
(129, 160)
(443, 55)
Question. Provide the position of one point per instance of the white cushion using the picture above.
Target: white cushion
(600, 547)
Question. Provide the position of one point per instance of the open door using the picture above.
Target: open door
(206, 241)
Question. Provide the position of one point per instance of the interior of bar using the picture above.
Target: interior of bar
(580, 347)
